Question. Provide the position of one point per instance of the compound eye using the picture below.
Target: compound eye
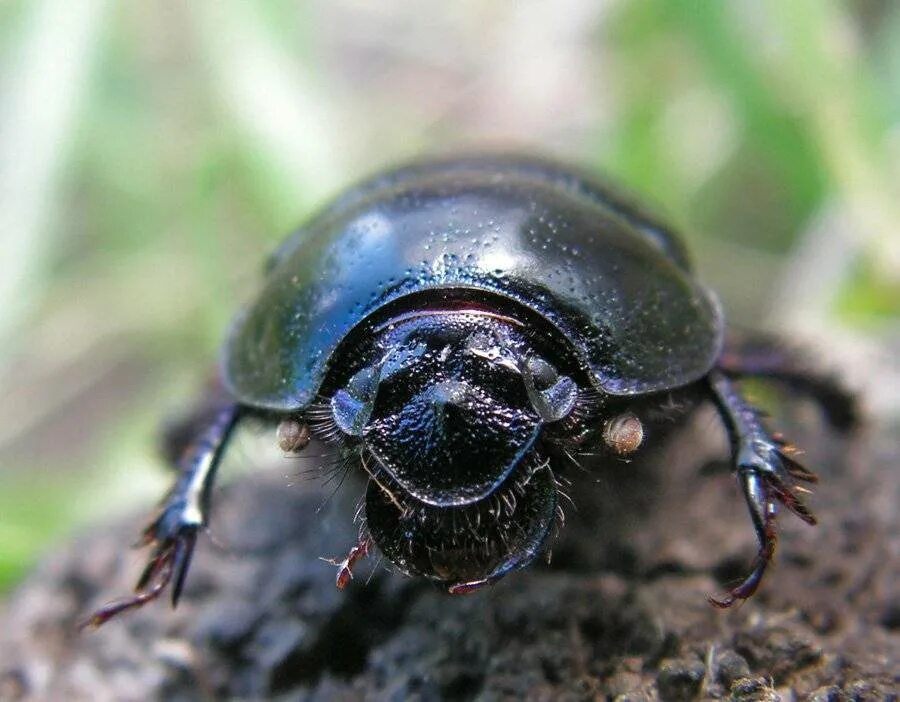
(352, 406)
(553, 395)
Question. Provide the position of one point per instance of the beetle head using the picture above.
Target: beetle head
(448, 415)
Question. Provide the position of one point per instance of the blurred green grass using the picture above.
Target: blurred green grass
(197, 135)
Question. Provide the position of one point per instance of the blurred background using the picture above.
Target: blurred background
(152, 154)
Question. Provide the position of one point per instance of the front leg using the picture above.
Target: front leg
(767, 476)
(185, 510)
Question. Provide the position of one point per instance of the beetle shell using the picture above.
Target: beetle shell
(611, 280)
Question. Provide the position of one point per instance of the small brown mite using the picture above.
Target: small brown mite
(623, 434)
(293, 436)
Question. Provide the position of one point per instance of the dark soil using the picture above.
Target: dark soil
(621, 612)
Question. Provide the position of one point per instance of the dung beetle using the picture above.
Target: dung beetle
(454, 328)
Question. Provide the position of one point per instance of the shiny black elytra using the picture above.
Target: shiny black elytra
(455, 327)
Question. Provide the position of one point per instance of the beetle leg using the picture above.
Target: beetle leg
(767, 358)
(173, 533)
(767, 476)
